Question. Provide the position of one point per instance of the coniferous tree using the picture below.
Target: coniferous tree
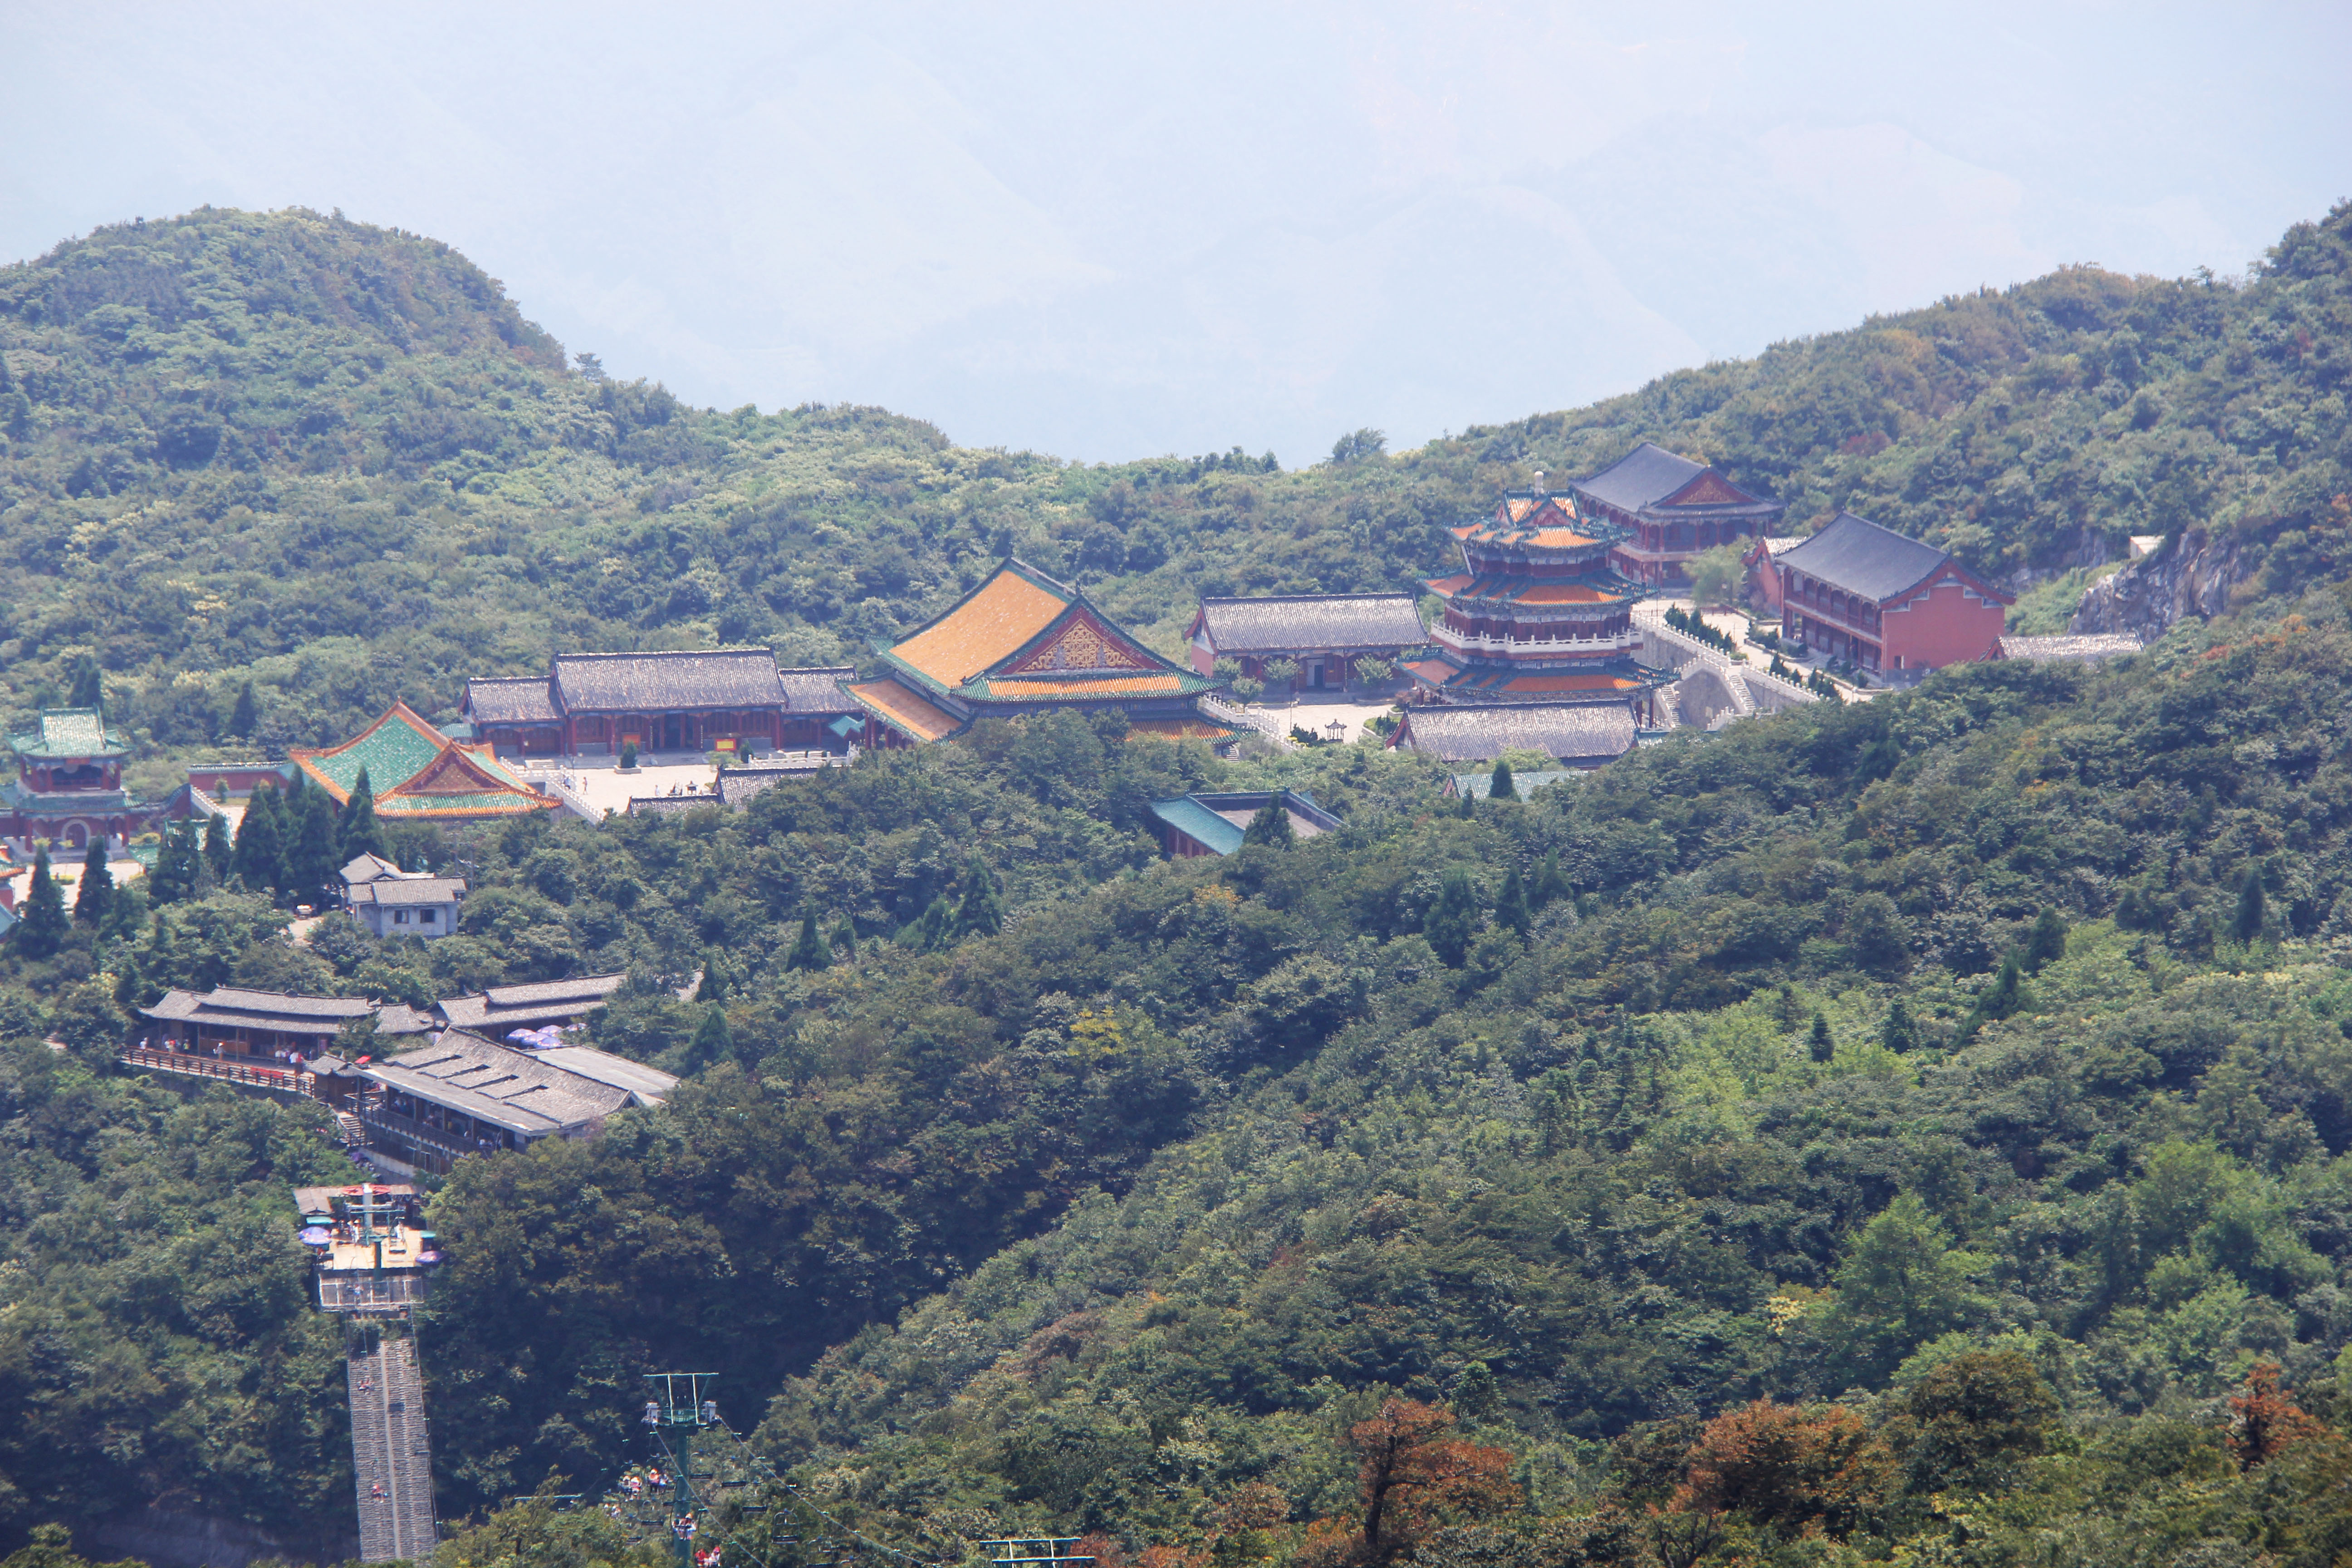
(714, 979)
(936, 929)
(1511, 905)
(1899, 1034)
(2000, 999)
(980, 912)
(2046, 943)
(95, 897)
(217, 852)
(246, 715)
(43, 930)
(845, 938)
(1453, 920)
(2253, 907)
(1551, 882)
(310, 863)
(174, 877)
(260, 854)
(713, 1041)
(1270, 827)
(808, 952)
(357, 832)
(1822, 1044)
(1502, 786)
(88, 684)
(1469, 803)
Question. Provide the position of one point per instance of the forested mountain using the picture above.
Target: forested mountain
(1900, 1131)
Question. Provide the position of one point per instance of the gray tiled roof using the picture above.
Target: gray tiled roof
(1649, 474)
(1856, 555)
(650, 1086)
(1586, 731)
(367, 866)
(2087, 648)
(408, 891)
(503, 1007)
(819, 689)
(506, 1087)
(654, 682)
(510, 699)
(1287, 623)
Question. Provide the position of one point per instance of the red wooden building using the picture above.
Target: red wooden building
(1889, 603)
(1671, 508)
(709, 700)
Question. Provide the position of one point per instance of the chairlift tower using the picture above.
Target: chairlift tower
(677, 1410)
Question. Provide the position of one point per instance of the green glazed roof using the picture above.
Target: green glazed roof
(70, 733)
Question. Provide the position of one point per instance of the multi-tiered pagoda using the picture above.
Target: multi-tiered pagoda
(1539, 615)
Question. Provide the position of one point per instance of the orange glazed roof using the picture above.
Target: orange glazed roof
(1105, 686)
(1178, 730)
(909, 710)
(991, 624)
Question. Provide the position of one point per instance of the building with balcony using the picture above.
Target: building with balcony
(1580, 736)
(731, 701)
(1887, 603)
(68, 784)
(1671, 508)
(1536, 614)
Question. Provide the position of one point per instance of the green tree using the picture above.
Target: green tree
(43, 926)
(2003, 998)
(981, 911)
(95, 897)
(1551, 882)
(246, 715)
(1715, 577)
(358, 832)
(1823, 1045)
(217, 850)
(2046, 943)
(845, 938)
(713, 1041)
(2253, 907)
(89, 689)
(1876, 932)
(1453, 920)
(174, 878)
(809, 950)
(310, 863)
(1965, 1425)
(1899, 1033)
(1271, 826)
(260, 859)
(1501, 785)
(1901, 1283)
(1359, 446)
(1511, 905)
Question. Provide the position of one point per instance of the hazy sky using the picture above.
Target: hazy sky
(1111, 231)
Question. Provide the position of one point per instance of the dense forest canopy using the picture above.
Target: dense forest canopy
(1917, 1131)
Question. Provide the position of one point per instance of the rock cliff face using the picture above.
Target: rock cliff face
(2191, 576)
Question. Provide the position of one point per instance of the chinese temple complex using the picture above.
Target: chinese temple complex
(731, 701)
(1023, 644)
(1538, 614)
(69, 785)
(418, 773)
(1670, 510)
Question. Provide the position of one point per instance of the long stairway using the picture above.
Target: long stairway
(390, 1459)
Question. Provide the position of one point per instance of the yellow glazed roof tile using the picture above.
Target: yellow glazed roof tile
(1003, 614)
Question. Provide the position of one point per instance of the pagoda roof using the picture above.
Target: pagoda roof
(1856, 555)
(1284, 622)
(1651, 479)
(1537, 520)
(908, 710)
(1612, 680)
(1601, 587)
(653, 682)
(70, 733)
(416, 771)
(1021, 636)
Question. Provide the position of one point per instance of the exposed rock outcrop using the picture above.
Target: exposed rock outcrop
(2190, 576)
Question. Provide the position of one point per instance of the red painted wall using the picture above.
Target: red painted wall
(1947, 623)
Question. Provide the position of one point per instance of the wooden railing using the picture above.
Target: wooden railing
(286, 1080)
